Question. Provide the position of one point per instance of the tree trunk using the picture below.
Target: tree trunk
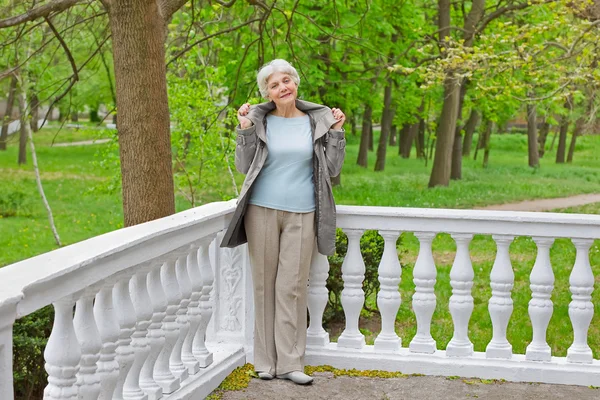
(532, 140)
(386, 126)
(353, 124)
(481, 137)
(74, 116)
(403, 139)
(393, 131)
(576, 132)
(8, 114)
(34, 105)
(562, 139)
(22, 135)
(442, 161)
(411, 134)
(456, 166)
(470, 126)
(542, 138)
(420, 140)
(138, 37)
(367, 126)
(486, 143)
(371, 136)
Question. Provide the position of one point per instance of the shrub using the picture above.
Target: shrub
(11, 202)
(371, 248)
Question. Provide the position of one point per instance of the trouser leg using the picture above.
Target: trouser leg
(296, 245)
(262, 231)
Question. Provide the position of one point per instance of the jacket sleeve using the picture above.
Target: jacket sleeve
(245, 148)
(335, 151)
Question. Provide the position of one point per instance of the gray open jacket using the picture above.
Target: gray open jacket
(329, 151)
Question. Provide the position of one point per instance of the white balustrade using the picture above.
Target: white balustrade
(126, 318)
(424, 300)
(461, 301)
(162, 372)
(353, 296)
(501, 305)
(108, 327)
(193, 271)
(88, 378)
(156, 335)
(581, 309)
(540, 305)
(185, 292)
(62, 354)
(388, 298)
(202, 354)
(140, 343)
(317, 299)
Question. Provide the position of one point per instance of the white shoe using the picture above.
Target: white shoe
(265, 376)
(297, 377)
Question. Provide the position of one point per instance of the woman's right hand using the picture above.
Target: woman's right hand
(241, 115)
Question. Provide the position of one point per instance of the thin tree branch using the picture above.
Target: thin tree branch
(38, 12)
(501, 11)
(169, 7)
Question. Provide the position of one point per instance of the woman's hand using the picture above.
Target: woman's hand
(340, 118)
(241, 115)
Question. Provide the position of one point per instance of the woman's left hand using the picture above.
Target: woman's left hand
(340, 118)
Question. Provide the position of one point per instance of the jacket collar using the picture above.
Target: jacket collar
(321, 115)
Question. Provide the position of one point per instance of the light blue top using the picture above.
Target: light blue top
(286, 180)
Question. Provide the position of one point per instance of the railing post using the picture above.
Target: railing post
(540, 305)
(581, 309)
(193, 272)
(185, 292)
(7, 320)
(126, 317)
(62, 354)
(501, 305)
(108, 327)
(353, 296)
(317, 299)
(202, 354)
(461, 301)
(388, 298)
(424, 298)
(89, 339)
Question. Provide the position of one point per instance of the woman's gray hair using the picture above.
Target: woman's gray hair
(277, 65)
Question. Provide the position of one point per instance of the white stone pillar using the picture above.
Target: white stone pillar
(202, 354)
(461, 301)
(500, 305)
(424, 297)
(185, 292)
(88, 336)
(126, 318)
(353, 296)
(388, 298)
(156, 335)
(581, 308)
(162, 373)
(108, 327)
(193, 271)
(62, 354)
(540, 305)
(317, 299)
(7, 320)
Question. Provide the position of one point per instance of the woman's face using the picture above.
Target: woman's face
(282, 89)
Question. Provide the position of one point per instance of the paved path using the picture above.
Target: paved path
(327, 387)
(82, 143)
(546, 204)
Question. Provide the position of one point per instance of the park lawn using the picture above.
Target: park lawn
(86, 202)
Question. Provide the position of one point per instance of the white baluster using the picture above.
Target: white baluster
(185, 292)
(317, 299)
(388, 298)
(500, 305)
(108, 326)
(88, 336)
(540, 305)
(162, 373)
(424, 298)
(193, 270)
(204, 357)
(353, 296)
(461, 301)
(126, 317)
(62, 354)
(6, 353)
(156, 335)
(581, 309)
(139, 341)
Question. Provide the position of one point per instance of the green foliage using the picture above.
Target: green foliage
(371, 248)
(30, 335)
(11, 201)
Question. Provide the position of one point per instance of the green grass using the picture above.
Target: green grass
(84, 206)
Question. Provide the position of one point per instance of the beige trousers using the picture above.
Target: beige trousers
(280, 244)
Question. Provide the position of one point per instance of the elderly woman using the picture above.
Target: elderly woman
(288, 149)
